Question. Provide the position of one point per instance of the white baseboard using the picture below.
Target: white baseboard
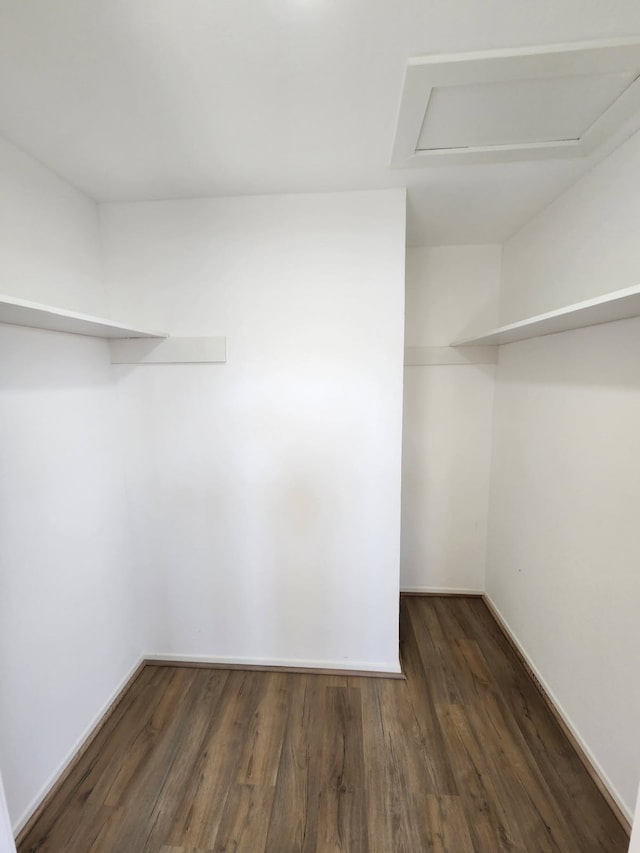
(279, 663)
(77, 749)
(596, 767)
(440, 590)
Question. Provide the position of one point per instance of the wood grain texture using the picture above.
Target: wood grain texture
(462, 757)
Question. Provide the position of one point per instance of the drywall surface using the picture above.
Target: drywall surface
(452, 292)
(564, 548)
(68, 627)
(583, 245)
(266, 491)
(447, 421)
(6, 835)
(49, 237)
(68, 630)
(563, 543)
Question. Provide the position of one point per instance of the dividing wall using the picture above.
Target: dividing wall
(68, 628)
(448, 412)
(564, 548)
(265, 492)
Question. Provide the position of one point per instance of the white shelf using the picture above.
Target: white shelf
(618, 305)
(19, 312)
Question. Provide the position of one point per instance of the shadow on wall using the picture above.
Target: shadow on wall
(483, 320)
(36, 359)
(603, 355)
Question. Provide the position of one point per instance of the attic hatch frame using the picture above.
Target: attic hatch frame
(426, 73)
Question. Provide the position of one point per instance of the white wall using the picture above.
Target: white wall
(49, 237)
(266, 491)
(68, 630)
(448, 410)
(6, 834)
(563, 543)
(584, 245)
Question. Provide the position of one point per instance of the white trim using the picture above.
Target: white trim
(441, 590)
(73, 752)
(347, 666)
(424, 73)
(561, 712)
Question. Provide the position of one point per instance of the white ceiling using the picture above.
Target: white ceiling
(141, 99)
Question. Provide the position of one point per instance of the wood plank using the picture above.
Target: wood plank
(433, 648)
(447, 828)
(198, 815)
(149, 740)
(342, 823)
(294, 815)
(398, 768)
(142, 789)
(486, 817)
(196, 729)
(420, 683)
(245, 821)
(260, 757)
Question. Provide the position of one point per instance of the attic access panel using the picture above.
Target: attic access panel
(523, 104)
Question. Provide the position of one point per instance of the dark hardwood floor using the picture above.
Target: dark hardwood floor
(462, 756)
